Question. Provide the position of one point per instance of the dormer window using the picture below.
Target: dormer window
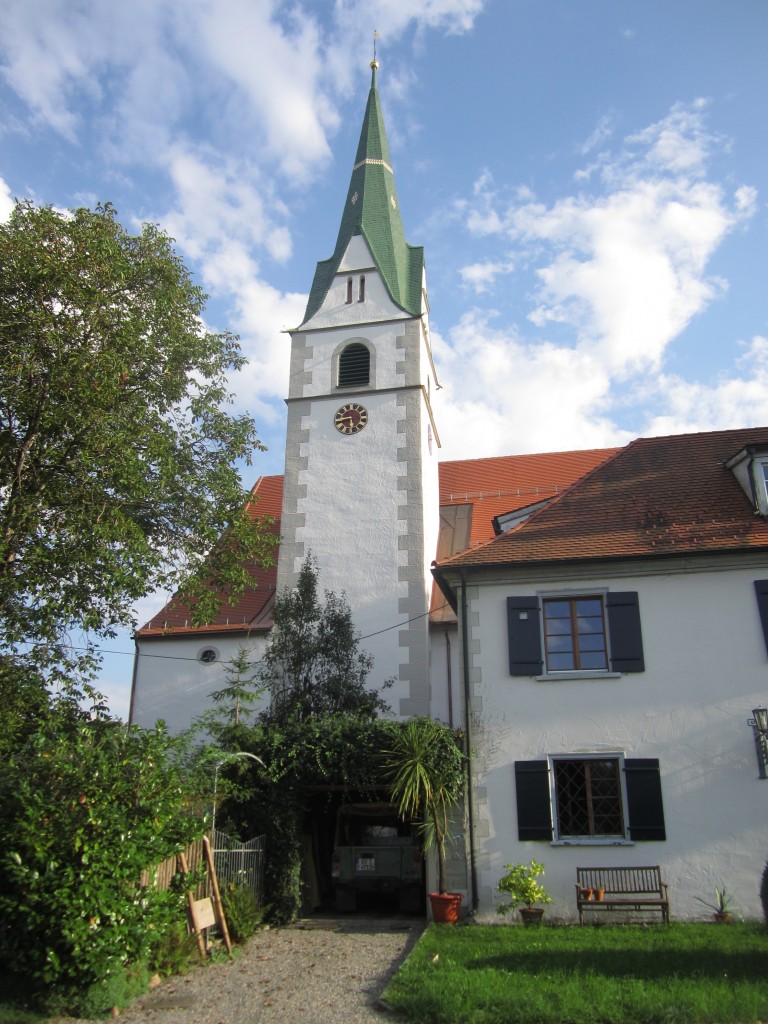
(762, 484)
(750, 467)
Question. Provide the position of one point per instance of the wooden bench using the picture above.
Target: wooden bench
(630, 889)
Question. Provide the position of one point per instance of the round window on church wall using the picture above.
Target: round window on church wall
(208, 655)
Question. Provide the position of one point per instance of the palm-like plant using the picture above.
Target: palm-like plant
(425, 769)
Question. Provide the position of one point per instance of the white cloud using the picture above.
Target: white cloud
(481, 277)
(42, 59)
(6, 202)
(618, 274)
(626, 268)
(225, 217)
(219, 199)
(393, 16)
(599, 135)
(520, 396)
(680, 142)
(731, 401)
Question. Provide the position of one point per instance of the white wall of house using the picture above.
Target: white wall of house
(706, 667)
(172, 683)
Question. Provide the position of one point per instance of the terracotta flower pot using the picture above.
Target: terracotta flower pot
(445, 906)
(599, 894)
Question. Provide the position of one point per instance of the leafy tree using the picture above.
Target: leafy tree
(85, 806)
(23, 702)
(312, 665)
(117, 458)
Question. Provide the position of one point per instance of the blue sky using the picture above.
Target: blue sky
(589, 181)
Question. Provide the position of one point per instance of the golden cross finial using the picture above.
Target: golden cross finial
(374, 62)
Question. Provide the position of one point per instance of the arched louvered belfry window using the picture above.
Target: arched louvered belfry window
(354, 366)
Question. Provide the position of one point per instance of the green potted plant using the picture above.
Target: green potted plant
(521, 886)
(425, 770)
(721, 906)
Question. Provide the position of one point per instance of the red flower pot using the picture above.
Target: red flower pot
(445, 906)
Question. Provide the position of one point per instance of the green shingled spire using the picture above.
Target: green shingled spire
(372, 209)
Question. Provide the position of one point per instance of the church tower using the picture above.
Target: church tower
(361, 480)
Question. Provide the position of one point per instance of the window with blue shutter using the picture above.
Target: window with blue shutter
(534, 815)
(761, 592)
(567, 633)
(524, 630)
(584, 800)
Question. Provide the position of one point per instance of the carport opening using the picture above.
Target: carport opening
(360, 857)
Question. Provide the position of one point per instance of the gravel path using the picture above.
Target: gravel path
(314, 972)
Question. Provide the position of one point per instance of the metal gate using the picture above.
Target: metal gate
(240, 864)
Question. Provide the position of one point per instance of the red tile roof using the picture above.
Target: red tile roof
(251, 612)
(658, 496)
(509, 482)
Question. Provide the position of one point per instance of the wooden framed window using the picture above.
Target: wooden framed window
(574, 634)
(588, 797)
(581, 633)
(594, 798)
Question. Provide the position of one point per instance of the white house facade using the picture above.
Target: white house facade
(616, 651)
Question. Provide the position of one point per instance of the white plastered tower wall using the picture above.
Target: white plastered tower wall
(366, 505)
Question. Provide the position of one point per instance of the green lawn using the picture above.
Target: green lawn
(633, 974)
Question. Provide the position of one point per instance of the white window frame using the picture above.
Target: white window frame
(603, 840)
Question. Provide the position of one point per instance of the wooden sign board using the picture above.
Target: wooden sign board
(203, 914)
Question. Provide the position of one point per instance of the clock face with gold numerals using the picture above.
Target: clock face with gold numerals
(350, 418)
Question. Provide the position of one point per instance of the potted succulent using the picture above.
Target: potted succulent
(721, 907)
(425, 770)
(521, 886)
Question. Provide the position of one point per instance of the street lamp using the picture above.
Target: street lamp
(225, 760)
(759, 723)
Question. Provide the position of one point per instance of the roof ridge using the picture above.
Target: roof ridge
(535, 455)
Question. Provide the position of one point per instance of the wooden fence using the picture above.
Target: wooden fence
(236, 862)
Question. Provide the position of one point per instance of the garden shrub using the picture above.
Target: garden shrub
(242, 911)
(764, 893)
(175, 948)
(84, 807)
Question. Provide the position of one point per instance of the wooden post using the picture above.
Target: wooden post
(191, 907)
(218, 906)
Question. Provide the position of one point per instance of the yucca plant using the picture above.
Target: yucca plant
(425, 770)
